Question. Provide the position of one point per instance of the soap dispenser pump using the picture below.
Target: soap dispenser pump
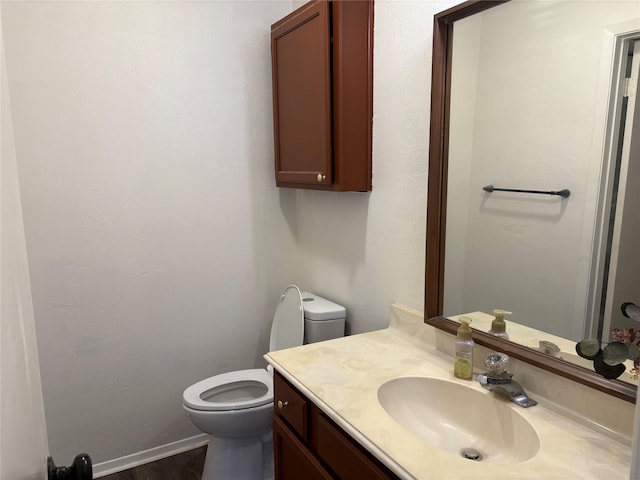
(498, 326)
(463, 356)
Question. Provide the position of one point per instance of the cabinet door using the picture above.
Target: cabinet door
(292, 460)
(342, 455)
(300, 50)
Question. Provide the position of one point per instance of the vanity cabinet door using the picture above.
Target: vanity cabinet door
(343, 456)
(292, 460)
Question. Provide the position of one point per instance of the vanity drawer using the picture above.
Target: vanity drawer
(290, 406)
(345, 458)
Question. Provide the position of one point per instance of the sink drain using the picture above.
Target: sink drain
(471, 454)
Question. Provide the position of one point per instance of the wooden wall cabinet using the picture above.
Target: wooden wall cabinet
(309, 445)
(322, 66)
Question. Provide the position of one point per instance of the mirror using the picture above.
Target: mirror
(528, 108)
(495, 96)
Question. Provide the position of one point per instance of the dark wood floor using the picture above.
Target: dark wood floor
(184, 466)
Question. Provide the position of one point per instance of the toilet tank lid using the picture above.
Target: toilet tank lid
(318, 308)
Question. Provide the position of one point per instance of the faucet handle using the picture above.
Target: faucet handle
(548, 348)
(486, 379)
(496, 363)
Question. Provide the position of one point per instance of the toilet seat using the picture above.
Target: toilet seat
(231, 391)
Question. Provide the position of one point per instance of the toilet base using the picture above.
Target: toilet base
(239, 458)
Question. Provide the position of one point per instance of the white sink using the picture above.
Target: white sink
(455, 417)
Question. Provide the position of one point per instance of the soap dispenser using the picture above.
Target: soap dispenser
(498, 326)
(463, 356)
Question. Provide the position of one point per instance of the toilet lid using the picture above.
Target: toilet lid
(287, 329)
(231, 391)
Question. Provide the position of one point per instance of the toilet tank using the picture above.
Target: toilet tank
(323, 319)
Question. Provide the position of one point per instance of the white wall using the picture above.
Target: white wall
(544, 135)
(158, 242)
(23, 434)
(368, 250)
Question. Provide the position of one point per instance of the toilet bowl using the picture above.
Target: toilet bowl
(235, 408)
(231, 404)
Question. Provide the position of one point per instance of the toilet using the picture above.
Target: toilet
(235, 408)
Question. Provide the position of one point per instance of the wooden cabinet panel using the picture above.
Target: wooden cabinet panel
(343, 455)
(323, 450)
(352, 27)
(302, 92)
(292, 460)
(290, 406)
(322, 65)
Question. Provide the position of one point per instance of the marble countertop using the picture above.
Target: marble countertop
(342, 377)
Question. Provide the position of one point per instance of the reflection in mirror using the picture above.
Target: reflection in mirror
(536, 104)
(606, 81)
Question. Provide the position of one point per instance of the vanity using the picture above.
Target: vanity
(336, 414)
(308, 444)
(385, 404)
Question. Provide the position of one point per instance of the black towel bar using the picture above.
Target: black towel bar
(563, 193)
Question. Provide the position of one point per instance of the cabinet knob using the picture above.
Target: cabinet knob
(282, 405)
(321, 177)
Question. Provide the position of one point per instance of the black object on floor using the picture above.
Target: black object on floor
(80, 469)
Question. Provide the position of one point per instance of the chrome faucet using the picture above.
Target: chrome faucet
(498, 380)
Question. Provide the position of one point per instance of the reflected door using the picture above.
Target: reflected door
(624, 274)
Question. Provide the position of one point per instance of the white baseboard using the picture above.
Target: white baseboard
(148, 456)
